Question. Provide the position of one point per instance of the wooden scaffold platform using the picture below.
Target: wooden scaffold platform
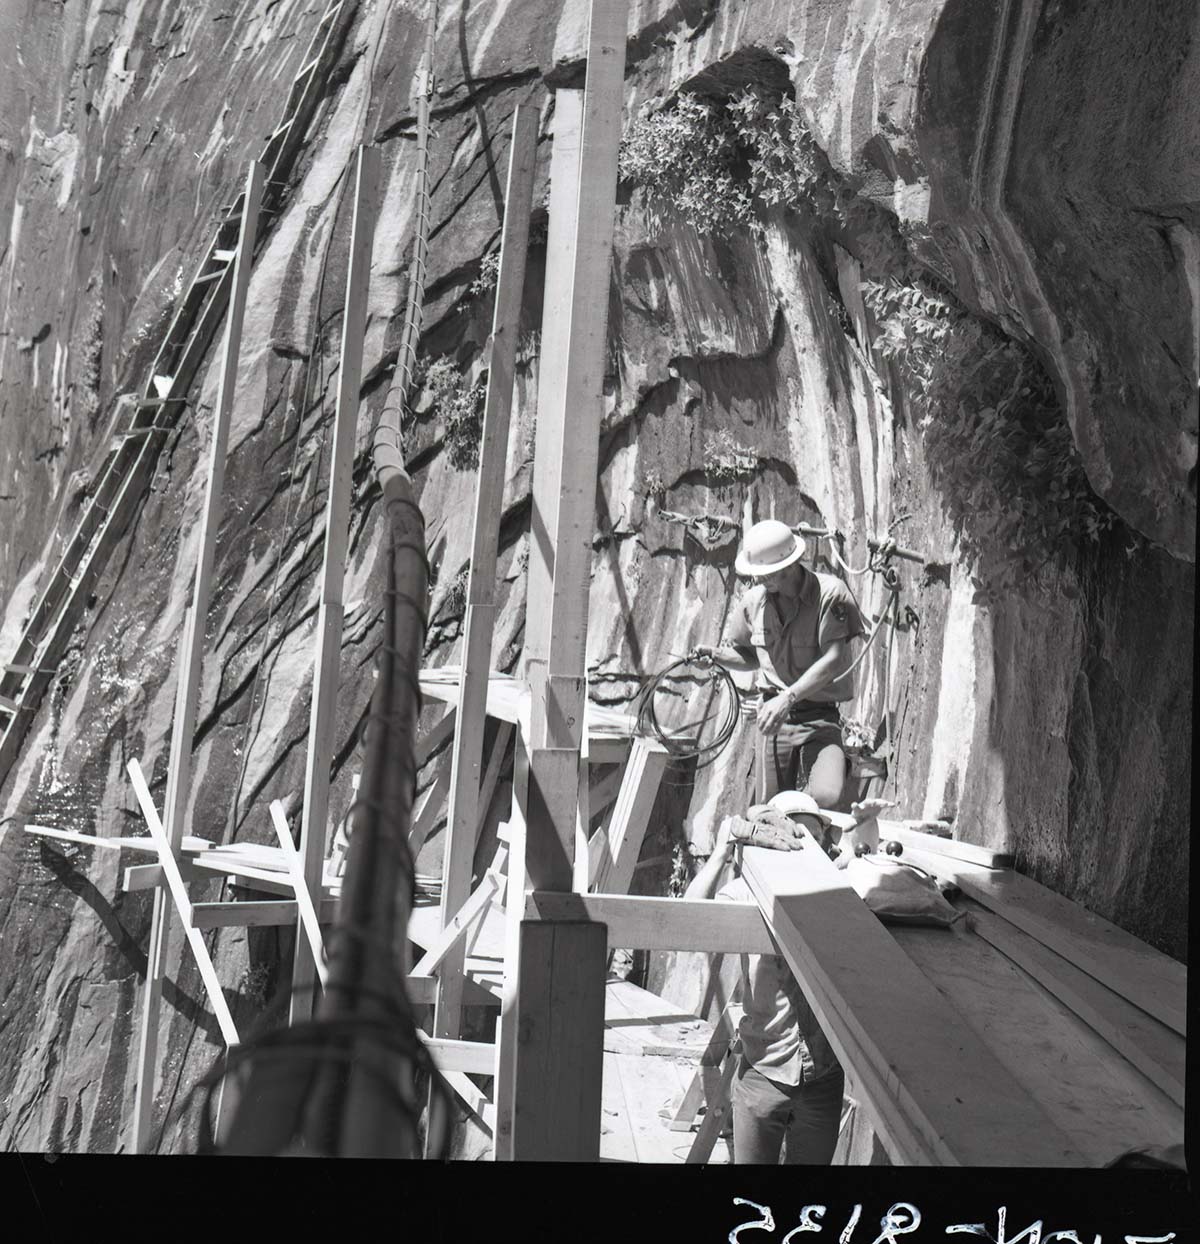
(1031, 1034)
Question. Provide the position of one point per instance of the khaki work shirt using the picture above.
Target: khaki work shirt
(780, 1035)
(787, 646)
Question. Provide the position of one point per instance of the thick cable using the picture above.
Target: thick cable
(682, 749)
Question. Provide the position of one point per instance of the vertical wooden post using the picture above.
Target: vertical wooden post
(323, 715)
(504, 1083)
(187, 693)
(557, 1057)
(552, 366)
(569, 473)
(560, 1041)
(467, 754)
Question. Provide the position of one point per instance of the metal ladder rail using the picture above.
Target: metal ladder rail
(126, 473)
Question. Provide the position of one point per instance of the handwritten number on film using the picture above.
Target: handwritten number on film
(903, 1219)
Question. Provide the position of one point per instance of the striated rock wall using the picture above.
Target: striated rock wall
(1058, 726)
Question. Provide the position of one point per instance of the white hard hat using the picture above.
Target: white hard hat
(791, 802)
(769, 546)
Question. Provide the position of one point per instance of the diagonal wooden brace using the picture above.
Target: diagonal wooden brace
(308, 912)
(473, 909)
(178, 890)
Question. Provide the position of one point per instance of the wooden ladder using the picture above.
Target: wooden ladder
(126, 472)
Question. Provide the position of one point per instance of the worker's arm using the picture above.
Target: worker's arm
(736, 649)
(706, 882)
(768, 829)
(731, 656)
(833, 661)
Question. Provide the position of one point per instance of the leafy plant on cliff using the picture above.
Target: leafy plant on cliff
(454, 603)
(726, 461)
(712, 163)
(489, 274)
(996, 440)
(686, 160)
(785, 163)
(460, 407)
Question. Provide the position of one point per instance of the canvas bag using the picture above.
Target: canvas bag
(898, 892)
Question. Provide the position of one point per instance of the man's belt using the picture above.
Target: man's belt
(808, 712)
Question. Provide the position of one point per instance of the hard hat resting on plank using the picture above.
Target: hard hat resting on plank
(769, 546)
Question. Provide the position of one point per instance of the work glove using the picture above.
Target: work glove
(769, 829)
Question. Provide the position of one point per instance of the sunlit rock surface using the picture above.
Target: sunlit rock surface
(1059, 728)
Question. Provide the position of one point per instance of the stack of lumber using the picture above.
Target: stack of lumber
(1041, 1036)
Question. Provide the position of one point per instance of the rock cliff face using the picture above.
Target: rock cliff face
(1035, 162)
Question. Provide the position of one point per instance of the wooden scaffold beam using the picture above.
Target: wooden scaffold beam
(331, 614)
(467, 755)
(550, 1043)
(191, 652)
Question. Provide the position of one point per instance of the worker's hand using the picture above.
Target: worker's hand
(772, 715)
(702, 654)
(771, 830)
(868, 809)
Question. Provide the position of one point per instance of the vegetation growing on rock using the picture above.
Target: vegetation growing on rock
(459, 404)
(1000, 449)
(998, 442)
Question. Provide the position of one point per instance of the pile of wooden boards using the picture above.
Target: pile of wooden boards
(1034, 1034)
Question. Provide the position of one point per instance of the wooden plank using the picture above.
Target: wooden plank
(606, 749)
(470, 1094)
(327, 666)
(151, 876)
(191, 654)
(427, 817)
(599, 856)
(618, 1143)
(867, 992)
(605, 792)
(491, 777)
(189, 666)
(504, 1082)
(717, 1107)
(308, 923)
(156, 961)
(467, 760)
(428, 743)
(1127, 966)
(576, 401)
(627, 829)
(635, 1091)
(720, 1042)
(254, 914)
(639, 1022)
(637, 922)
(1153, 1048)
(472, 1057)
(252, 877)
(420, 990)
(559, 1047)
(556, 319)
(178, 891)
(552, 807)
(92, 840)
(453, 933)
(565, 468)
(1101, 1103)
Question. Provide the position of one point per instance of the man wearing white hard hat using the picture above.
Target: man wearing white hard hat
(788, 1085)
(796, 626)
